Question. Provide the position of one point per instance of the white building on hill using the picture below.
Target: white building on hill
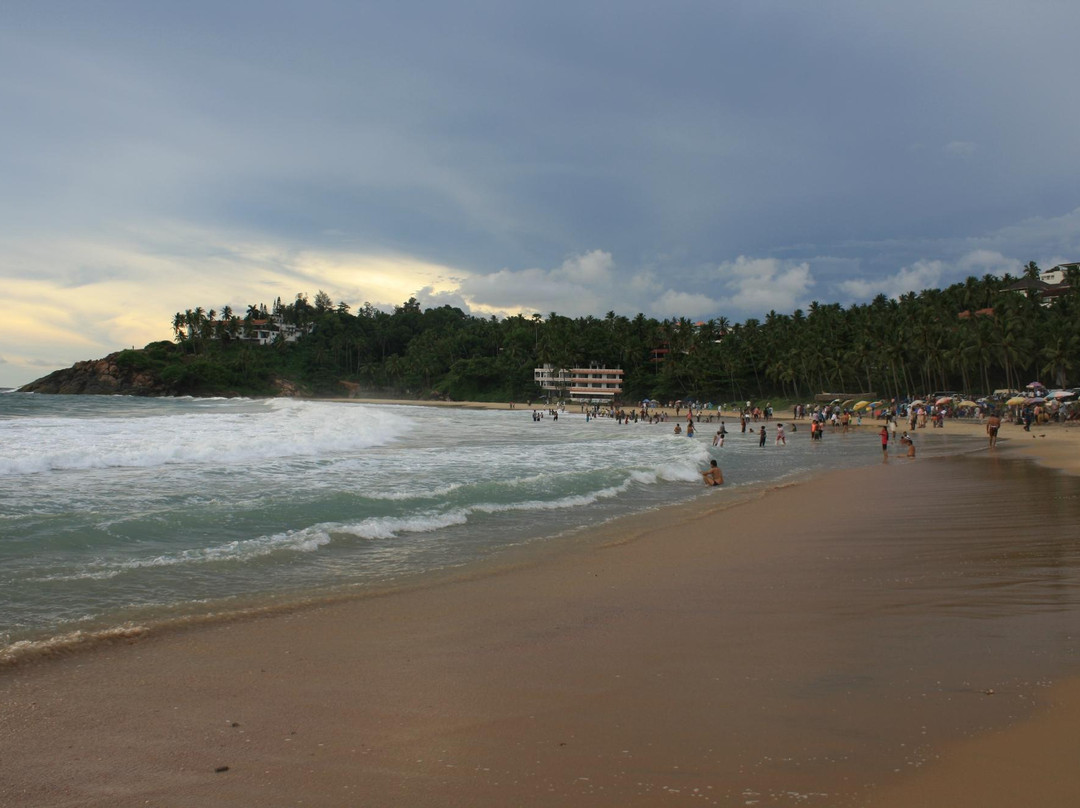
(593, 384)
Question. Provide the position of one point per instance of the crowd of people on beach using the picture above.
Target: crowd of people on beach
(833, 416)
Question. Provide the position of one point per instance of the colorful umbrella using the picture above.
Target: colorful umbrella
(967, 403)
(861, 405)
(943, 400)
(1012, 402)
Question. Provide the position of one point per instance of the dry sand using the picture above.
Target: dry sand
(861, 639)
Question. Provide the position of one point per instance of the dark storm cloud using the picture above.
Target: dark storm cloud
(725, 158)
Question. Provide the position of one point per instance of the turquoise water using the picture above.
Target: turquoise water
(117, 509)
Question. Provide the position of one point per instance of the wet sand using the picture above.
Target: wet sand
(894, 636)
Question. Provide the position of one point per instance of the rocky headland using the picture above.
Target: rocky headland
(102, 377)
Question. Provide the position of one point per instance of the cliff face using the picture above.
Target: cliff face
(101, 377)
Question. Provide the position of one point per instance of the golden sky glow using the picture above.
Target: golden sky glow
(55, 322)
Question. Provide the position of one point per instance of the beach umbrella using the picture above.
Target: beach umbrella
(861, 405)
(1036, 400)
(1012, 402)
(1061, 394)
(943, 400)
(967, 403)
(847, 404)
(917, 402)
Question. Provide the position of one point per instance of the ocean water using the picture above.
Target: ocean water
(119, 511)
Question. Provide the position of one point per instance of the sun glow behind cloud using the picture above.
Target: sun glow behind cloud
(83, 299)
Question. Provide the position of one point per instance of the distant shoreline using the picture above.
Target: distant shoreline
(1052, 445)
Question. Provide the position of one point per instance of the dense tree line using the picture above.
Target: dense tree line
(973, 337)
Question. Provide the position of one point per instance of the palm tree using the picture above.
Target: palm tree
(178, 326)
(1060, 350)
(978, 349)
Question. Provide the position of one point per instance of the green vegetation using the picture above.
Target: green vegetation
(932, 340)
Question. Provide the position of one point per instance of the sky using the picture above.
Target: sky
(679, 159)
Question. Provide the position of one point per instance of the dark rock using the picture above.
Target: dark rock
(100, 377)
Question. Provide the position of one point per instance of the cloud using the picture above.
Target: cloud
(674, 304)
(385, 158)
(125, 289)
(920, 275)
(757, 285)
(986, 262)
(428, 298)
(582, 284)
(1037, 236)
(961, 148)
(592, 283)
(591, 268)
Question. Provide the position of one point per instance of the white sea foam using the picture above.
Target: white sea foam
(225, 436)
(295, 541)
(392, 527)
(438, 492)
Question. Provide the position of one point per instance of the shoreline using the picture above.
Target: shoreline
(1062, 452)
(87, 638)
(586, 626)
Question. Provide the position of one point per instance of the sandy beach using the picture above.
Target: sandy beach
(891, 636)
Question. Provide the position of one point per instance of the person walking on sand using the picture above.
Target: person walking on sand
(993, 424)
(713, 475)
(884, 435)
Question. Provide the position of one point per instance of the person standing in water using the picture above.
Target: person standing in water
(780, 437)
(761, 438)
(884, 435)
(993, 424)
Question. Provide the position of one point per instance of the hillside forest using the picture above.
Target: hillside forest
(974, 336)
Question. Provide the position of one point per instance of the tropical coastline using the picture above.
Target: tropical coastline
(746, 653)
